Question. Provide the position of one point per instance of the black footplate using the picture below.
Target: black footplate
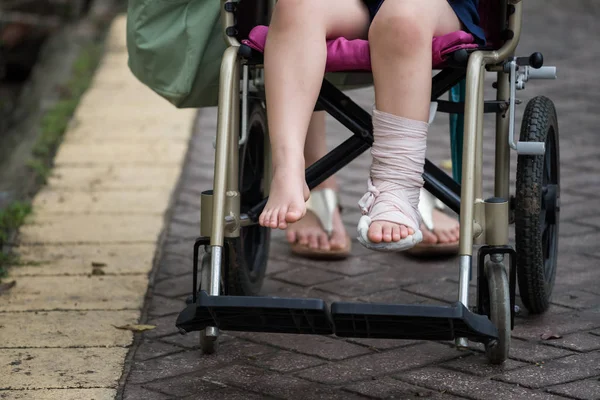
(256, 314)
(310, 316)
(422, 322)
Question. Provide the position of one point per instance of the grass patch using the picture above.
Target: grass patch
(11, 218)
(52, 129)
(56, 120)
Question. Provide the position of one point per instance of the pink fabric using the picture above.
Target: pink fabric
(353, 55)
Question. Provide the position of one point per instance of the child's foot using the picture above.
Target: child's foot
(391, 219)
(383, 231)
(287, 199)
(390, 222)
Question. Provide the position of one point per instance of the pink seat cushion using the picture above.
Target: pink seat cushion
(353, 55)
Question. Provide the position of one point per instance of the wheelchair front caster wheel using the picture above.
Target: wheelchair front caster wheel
(499, 307)
(537, 207)
(208, 344)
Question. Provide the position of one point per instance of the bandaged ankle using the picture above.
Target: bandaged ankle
(396, 172)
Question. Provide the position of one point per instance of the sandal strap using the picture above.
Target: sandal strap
(323, 203)
(427, 203)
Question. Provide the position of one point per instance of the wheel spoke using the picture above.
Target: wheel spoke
(542, 220)
(548, 168)
(253, 242)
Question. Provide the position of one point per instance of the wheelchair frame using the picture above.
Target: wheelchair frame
(482, 221)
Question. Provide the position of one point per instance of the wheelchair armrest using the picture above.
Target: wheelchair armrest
(460, 58)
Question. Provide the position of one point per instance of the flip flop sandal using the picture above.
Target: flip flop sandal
(322, 203)
(388, 205)
(427, 203)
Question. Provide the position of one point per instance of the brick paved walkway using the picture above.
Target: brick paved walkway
(260, 366)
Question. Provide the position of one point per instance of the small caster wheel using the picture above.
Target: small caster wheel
(499, 306)
(208, 344)
(537, 207)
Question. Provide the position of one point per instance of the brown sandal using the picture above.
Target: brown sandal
(322, 203)
(427, 203)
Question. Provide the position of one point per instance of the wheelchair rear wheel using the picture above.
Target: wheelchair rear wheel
(537, 207)
(246, 257)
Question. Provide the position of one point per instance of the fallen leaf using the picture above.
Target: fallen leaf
(136, 328)
(97, 264)
(550, 336)
(5, 287)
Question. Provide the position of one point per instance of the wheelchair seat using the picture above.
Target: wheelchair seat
(354, 55)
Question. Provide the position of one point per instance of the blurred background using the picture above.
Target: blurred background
(46, 49)
(49, 50)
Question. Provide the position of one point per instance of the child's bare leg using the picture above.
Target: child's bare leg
(400, 39)
(309, 231)
(295, 55)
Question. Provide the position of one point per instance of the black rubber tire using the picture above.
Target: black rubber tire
(246, 257)
(499, 306)
(537, 207)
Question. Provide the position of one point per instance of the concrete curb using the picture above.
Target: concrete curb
(91, 240)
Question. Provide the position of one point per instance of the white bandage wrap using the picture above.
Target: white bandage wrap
(396, 177)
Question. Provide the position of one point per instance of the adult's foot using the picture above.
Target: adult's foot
(321, 233)
(446, 229)
(442, 240)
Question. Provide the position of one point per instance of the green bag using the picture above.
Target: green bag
(175, 48)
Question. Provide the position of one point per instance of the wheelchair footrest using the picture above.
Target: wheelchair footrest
(256, 314)
(311, 316)
(410, 322)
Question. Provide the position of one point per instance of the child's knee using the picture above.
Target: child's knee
(400, 29)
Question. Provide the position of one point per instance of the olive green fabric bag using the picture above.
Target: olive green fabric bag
(175, 48)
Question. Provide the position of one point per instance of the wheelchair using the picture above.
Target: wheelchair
(227, 276)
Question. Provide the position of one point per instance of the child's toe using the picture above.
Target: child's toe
(396, 233)
(387, 233)
(403, 231)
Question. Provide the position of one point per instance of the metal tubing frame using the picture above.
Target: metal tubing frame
(471, 145)
(478, 203)
(229, 71)
(473, 150)
(502, 162)
(226, 159)
(225, 176)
